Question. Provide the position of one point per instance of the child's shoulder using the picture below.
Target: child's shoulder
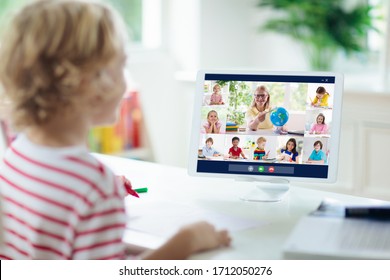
(102, 180)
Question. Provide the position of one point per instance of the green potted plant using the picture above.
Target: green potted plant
(323, 27)
(239, 98)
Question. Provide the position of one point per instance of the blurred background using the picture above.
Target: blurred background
(172, 39)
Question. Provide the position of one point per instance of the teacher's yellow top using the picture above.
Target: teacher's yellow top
(252, 112)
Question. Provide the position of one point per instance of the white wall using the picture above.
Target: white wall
(153, 73)
(225, 33)
(230, 38)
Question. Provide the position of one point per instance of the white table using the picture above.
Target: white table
(172, 184)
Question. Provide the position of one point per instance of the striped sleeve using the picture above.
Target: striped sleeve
(99, 232)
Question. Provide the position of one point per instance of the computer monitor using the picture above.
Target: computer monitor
(274, 127)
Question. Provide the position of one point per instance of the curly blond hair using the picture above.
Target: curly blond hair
(47, 49)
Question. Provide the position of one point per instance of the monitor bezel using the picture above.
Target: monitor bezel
(334, 140)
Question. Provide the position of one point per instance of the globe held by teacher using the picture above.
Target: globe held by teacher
(279, 116)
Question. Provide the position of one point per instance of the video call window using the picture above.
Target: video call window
(270, 122)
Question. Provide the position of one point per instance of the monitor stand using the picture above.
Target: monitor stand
(271, 191)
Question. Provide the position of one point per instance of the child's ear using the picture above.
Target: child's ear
(103, 80)
(100, 83)
(96, 86)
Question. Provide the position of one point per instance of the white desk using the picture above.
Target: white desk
(172, 184)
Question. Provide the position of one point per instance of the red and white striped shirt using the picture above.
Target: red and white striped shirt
(59, 203)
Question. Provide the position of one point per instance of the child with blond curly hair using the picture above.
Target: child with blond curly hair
(62, 68)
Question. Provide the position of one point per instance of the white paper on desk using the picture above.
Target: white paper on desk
(166, 218)
(338, 238)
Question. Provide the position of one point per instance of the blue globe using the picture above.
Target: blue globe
(279, 116)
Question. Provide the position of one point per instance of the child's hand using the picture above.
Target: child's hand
(285, 157)
(215, 122)
(193, 238)
(203, 236)
(127, 184)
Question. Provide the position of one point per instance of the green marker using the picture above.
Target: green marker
(141, 190)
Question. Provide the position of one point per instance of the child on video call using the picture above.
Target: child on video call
(259, 153)
(208, 150)
(290, 152)
(212, 125)
(321, 99)
(235, 152)
(317, 155)
(320, 127)
(216, 97)
(62, 65)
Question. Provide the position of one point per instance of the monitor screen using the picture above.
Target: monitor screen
(266, 125)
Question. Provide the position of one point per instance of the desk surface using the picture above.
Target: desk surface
(173, 184)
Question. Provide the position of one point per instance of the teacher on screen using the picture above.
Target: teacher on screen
(257, 116)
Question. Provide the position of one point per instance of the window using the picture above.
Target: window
(376, 39)
(289, 95)
(131, 12)
(142, 18)
(369, 72)
(6, 6)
